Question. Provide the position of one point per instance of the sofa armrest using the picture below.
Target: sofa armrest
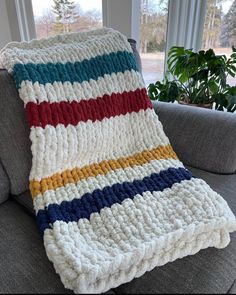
(202, 138)
(4, 185)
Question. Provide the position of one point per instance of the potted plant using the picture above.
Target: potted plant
(197, 78)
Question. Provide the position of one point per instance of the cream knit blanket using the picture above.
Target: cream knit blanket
(111, 197)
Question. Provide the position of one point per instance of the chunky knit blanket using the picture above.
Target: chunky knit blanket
(111, 197)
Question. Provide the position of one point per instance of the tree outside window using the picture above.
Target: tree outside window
(54, 17)
(153, 27)
(220, 28)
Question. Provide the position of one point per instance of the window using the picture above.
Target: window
(153, 28)
(62, 16)
(157, 24)
(220, 28)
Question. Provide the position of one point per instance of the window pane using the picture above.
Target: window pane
(153, 27)
(61, 16)
(220, 28)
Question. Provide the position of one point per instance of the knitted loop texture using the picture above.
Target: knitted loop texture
(111, 197)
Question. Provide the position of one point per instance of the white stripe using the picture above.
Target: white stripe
(76, 190)
(128, 239)
(67, 91)
(57, 149)
(68, 48)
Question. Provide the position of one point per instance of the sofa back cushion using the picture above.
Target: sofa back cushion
(15, 144)
(4, 185)
(202, 138)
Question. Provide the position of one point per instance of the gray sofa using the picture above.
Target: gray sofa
(204, 140)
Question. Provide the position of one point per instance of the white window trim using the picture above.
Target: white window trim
(25, 16)
(21, 19)
(129, 10)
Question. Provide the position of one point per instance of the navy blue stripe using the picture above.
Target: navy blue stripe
(75, 72)
(93, 202)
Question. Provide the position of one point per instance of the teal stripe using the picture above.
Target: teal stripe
(93, 68)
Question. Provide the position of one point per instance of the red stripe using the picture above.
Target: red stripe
(40, 115)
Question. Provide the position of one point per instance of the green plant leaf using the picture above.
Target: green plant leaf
(201, 77)
(213, 86)
(221, 101)
(153, 92)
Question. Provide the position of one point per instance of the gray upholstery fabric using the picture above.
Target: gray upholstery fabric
(24, 266)
(210, 271)
(25, 199)
(233, 288)
(14, 136)
(4, 185)
(133, 44)
(202, 138)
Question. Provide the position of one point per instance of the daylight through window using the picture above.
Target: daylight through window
(220, 28)
(153, 27)
(54, 17)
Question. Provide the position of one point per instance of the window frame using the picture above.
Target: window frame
(185, 22)
(21, 19)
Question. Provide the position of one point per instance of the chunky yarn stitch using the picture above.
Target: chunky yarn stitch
(111, 197)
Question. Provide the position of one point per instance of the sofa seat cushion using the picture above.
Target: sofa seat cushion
(25, 199)
(25, 268)
(210, 271)
(24, 265)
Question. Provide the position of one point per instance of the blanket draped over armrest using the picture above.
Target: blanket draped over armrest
(111, 197)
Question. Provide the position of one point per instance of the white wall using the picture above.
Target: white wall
(5, 32)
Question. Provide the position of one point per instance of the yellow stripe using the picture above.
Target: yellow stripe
(75, 175)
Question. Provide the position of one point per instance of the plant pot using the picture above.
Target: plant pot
(201, 105)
